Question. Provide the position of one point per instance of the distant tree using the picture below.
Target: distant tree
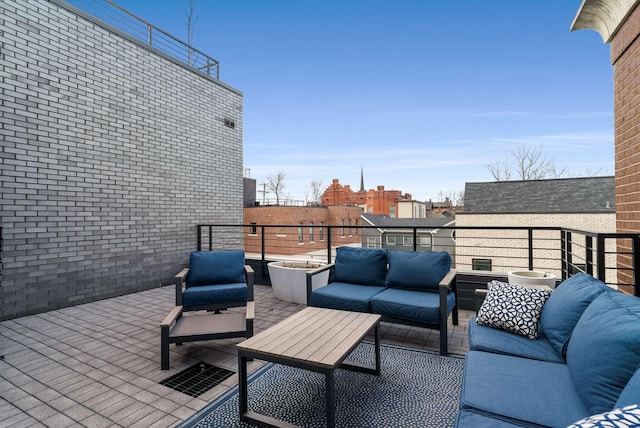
(529, 163)
(313, 192)
(275, 185)
(190, 21)
(453, 199)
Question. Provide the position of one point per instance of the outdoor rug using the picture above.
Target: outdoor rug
(414, 389)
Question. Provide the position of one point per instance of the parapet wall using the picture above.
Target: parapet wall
(111, 155)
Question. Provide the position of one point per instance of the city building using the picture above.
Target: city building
(309, 233)
(580, 203)
(409, 234)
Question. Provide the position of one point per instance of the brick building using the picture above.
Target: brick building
(618, 22)
(372, 201)
(300, 230)
(105, 171)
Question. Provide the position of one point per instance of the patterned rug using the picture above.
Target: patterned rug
(414, 389)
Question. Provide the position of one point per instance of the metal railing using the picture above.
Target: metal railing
(150, 35)
(611, 257)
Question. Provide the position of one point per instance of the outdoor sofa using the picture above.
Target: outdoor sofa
(405, 287)
(583, 366)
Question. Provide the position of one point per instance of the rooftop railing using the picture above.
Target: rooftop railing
(121, 19)
(611, 257)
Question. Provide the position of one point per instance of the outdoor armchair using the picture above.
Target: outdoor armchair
(214, 280)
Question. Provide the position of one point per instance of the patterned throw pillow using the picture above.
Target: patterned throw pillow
(513, 308)
(628, 416)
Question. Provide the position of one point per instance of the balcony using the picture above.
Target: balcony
(98, 364)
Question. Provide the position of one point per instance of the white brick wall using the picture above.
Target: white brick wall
(111, 155)
(508, 249)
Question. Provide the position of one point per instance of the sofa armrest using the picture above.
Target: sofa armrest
(449, 280)
(310, 275)
(180, 284)
(249, 276)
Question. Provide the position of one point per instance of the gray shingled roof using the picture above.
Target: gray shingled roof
(564, 195)
(382, 221)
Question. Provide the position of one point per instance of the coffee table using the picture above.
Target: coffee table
(315, 339)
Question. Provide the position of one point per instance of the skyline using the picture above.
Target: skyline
(420, 94)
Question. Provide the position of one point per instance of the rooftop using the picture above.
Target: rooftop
(563, 195)
(98, 364)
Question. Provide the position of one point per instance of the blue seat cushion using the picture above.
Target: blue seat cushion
(489, 339)
(364, 266)
(631, 392)
(565, 306)
(214, 293)
(417, 306)
(216, 267)
(521, 389)
(471, 419)
(604, 349)
(417, 270)
(345, 296)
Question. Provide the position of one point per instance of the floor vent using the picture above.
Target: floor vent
(197, 379)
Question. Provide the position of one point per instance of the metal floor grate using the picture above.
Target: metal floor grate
(197, 379)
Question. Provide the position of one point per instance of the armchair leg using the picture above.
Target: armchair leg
(443, 339)
(164, 348)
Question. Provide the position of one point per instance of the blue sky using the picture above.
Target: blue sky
(421, 93)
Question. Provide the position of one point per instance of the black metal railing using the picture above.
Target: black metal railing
(121, 19)
(611, 257)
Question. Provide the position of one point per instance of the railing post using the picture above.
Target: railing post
(600, 259)
(530, 234)
(588, 256)
(329, 244)
(199, 237)
(415, 239)
(210, 238)
(569, 254)
(265, 270)
(635, 243)
(564, 269)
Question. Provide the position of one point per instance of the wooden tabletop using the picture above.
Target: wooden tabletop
(313, 336)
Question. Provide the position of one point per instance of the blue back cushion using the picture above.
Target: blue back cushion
(417, 270)
(565, 306)
(365, 266)
(604, 350)
(216, 267)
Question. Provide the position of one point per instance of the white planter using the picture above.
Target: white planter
(290, 283)
(532, 277)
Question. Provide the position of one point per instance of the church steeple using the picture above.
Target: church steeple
(361, 179)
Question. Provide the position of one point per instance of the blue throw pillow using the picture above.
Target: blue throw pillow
(216, 267)
(365, 266)
(565, 306)
(417, 270)
(604, 350)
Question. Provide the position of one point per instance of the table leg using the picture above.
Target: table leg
(377, 347)
(330, 399)
(242, 385)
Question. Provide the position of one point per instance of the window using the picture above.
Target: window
(371, 242)
(311, 231)
(391, 239)
(407, 241)
(342, 227)
(253, 230)
(356, 222)
(300, 237)
(481, 264)
(350, 228)
(424, 241)
(392, 212)
(322, 231)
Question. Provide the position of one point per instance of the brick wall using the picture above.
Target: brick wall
(287, 240)
(111, 155)
(508, 249)
(378, 201)
(625, 57)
